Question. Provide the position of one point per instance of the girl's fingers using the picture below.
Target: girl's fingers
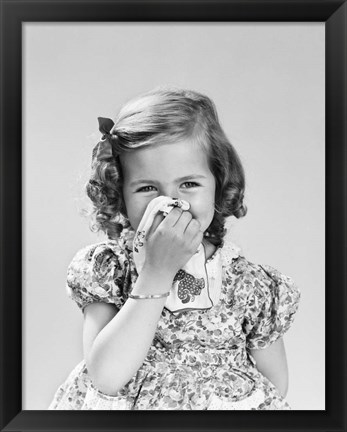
(193, 228)
(156, 222)
(194, 233)
(183, 221)
(172, 218)
(180, 221)
(166, 222)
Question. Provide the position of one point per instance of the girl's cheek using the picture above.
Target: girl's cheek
(138, 210)
(202, 212)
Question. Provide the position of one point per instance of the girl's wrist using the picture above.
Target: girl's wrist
(153, 282)
(160, 273)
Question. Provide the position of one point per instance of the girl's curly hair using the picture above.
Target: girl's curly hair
(167, 115)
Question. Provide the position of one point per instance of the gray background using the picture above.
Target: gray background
(267, 80)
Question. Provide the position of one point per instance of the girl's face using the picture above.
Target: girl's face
(178, 170)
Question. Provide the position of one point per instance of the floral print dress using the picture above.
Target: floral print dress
(199, 359)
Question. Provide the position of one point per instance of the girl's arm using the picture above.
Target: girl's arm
(116, 344)
(272, 362)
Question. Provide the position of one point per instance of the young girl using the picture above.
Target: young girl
(175, 318)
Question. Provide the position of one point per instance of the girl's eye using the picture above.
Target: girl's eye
(188, 185)
(146, 189)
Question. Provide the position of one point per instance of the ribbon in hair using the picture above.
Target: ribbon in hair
(103, 150)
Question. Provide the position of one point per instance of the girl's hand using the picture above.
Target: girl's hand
(172, 241)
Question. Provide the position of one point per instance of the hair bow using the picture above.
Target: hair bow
(103, 150)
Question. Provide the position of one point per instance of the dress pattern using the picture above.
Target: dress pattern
(188, 286)
(199, 359)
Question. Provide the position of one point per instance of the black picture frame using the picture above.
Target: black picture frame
(13, 14)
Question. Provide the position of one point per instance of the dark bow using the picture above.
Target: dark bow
(103, 150)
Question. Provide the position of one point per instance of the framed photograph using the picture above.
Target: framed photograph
(276, 72)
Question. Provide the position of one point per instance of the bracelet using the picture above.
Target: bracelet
(149, 296)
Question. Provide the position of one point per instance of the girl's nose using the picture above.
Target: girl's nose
(170, 191)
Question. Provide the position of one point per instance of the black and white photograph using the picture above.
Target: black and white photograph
(173, 215)
(174, 191)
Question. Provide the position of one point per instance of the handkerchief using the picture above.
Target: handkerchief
(190, 288)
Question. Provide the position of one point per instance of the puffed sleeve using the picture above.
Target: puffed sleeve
(271, 307)
(96, 274)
